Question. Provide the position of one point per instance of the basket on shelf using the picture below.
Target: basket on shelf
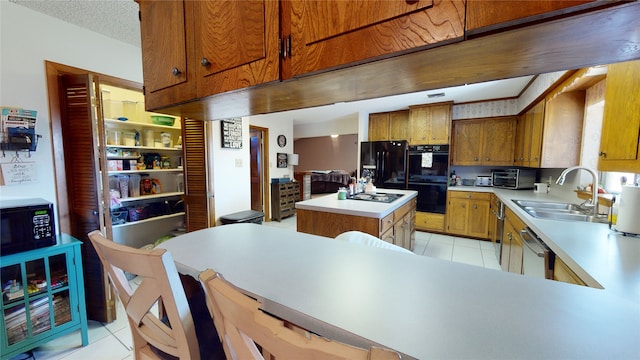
(162, 120)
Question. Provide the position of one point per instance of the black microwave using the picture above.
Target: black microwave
(26, 224)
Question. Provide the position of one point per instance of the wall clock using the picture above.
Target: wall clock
(282, 140)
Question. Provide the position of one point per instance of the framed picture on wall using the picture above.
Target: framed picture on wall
(282, 160)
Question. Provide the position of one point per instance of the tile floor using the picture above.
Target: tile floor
(113, 341)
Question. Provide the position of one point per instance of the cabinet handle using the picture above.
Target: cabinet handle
(488, 159)
(94, 212)
(475, 206)
(603, 154)
(205, 62)
(475, 158)
(176, 72)
(463, 206)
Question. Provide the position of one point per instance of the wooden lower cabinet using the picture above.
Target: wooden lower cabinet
(562, 272)
(429, 221)
(396, 228)
(468, 213)
(512, 251)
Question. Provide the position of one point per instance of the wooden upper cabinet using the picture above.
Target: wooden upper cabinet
(494, 14)
(562, 130)
(620, 136)
(327, 34)
(485, 142)
(379, 126)
(392, 125)
(168, 76)
(467, 142)
(236, 44)
(399, 125)
(430, 124)
(498, 137)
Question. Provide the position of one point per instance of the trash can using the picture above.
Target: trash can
(247, 216)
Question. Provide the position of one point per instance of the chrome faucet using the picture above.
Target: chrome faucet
(594, 186)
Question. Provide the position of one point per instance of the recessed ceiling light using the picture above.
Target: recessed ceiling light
(334, 136)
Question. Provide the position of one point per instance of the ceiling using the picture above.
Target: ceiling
(118, 19)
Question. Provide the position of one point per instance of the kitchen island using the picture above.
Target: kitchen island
(390, 221)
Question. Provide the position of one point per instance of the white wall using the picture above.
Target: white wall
(231, 172)
(347, 124)
(27, 39)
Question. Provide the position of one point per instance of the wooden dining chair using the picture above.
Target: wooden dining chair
(152, 337)
(245, 330)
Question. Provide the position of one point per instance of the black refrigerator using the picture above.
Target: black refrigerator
(385, 162)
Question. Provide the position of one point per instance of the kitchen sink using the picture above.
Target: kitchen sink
(558, 211)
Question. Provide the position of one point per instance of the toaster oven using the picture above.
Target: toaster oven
(514, 178)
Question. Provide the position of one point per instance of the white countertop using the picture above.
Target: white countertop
(423, 307)
(601, 257)
(372, 209)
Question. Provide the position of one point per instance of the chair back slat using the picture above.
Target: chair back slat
(160, 282)
(243, 325)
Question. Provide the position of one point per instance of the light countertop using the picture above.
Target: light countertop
(372, 209)
(423, 307)
(601, 257)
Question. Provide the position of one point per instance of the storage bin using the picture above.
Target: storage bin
(119, 216)
(138, 213)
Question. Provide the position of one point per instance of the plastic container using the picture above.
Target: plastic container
(342, 194)
(134, 185)
(148, 137)
(129, 138)
(138, 213)
(123, 181)
(114, 137)
(119, 216)
(165, 138)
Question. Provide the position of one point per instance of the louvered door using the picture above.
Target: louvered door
(80, 126)
(196, 199)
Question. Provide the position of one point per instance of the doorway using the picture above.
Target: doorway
(258, 149)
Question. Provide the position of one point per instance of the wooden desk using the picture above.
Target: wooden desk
(420, 306)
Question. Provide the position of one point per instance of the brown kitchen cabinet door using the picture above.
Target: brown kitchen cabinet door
(620, 137)
(457, 216)
(399, 125)
(430, 124)
(534, 136)
(479, 219)
(467, 142)
(328, 34)
(519, 147)
(236, 44)
(494, 14)
(166, 43)
(498, 141)
(379, 126)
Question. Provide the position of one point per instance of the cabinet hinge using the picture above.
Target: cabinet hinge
(144, 90)
(139, 16)
(285, 47)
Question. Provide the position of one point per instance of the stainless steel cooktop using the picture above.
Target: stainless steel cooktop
(377, 197)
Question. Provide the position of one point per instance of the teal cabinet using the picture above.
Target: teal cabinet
(42, 296)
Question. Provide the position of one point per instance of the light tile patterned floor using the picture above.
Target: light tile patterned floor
(113, 341)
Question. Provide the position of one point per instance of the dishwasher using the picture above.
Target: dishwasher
(537, 258)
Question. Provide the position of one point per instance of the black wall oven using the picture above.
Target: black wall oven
(428, 175)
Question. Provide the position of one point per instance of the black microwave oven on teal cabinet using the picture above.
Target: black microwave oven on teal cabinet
(26, 224)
